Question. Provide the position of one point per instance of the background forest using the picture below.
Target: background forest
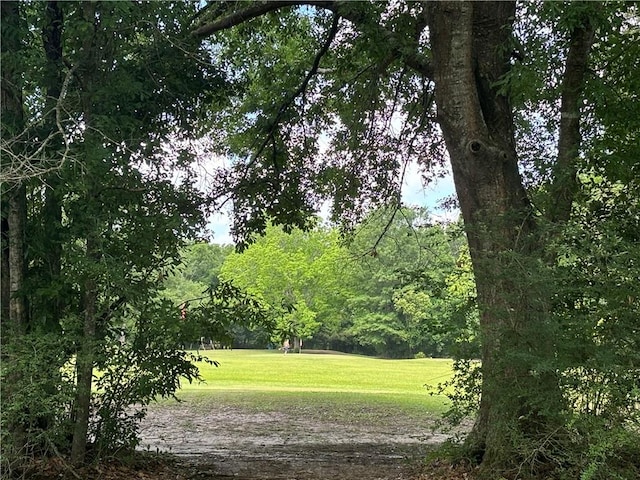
(112, 111)
(402, 287)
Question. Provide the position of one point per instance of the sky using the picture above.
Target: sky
(414, 193)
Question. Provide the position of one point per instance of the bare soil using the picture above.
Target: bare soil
(230, 441)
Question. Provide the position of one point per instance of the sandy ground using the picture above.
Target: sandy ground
(233, 442)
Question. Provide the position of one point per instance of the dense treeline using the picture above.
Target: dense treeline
(400, 287)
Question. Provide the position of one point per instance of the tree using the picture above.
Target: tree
(298, 275)
(14, 308)
(399, 302)
(354, 71)
(368, 297)
(96, 92)
(200, 269)
(211, 307)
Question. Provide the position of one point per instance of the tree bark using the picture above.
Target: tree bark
(17, 321)
(14, 194)
(14, 318)
(5, 291)
(518, 403)
(85, 360)
(564, 184)
(17, 219)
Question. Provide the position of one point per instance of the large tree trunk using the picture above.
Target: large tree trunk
(519, 401)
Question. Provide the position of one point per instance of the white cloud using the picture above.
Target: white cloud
(220, 225)
(416, 193)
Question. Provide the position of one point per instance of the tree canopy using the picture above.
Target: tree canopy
(395, 293)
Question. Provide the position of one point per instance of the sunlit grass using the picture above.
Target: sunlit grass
(262, 379)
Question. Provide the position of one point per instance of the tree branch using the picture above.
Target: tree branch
(23, 165)
(305, 82)
(411, 57)
(255, 9)
(374, 249)
(564, 183)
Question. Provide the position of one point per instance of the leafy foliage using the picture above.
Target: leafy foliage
(404, 270)
(328, 128)
(297, 275)
(401, 301)
(199, 271)
(117, 117)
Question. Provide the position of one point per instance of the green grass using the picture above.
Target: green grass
(267, 380)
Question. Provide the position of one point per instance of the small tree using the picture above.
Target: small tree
(295, 274)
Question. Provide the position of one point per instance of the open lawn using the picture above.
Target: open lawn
(263, 379)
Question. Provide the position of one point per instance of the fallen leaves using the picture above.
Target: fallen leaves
(164, 467)
(141, 467)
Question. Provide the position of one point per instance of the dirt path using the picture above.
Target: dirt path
(234, 442)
